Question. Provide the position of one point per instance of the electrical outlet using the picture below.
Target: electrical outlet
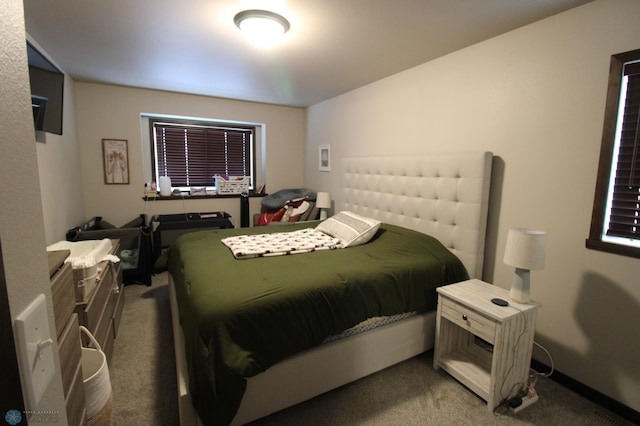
(527, 400)
(35, 349)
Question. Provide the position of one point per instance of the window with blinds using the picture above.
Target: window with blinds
(624, 214)
(615, 223)
(192, 154)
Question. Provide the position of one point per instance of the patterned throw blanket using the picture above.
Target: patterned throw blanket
(280, 243)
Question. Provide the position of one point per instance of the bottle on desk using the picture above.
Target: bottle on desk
(150, 189)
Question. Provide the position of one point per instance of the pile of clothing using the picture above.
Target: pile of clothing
(288, 205)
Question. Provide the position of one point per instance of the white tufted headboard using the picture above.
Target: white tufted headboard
(443, 195)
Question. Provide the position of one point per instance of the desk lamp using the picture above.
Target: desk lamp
(525, 250)
(323, 202)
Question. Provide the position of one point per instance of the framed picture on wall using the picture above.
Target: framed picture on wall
(115, 155)
(324, 155)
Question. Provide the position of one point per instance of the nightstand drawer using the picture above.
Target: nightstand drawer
(469, 319)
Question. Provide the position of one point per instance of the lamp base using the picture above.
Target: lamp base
(520, 291)
(323, 214)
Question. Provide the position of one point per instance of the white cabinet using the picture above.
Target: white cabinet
(485, 346)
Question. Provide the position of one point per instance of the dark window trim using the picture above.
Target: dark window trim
(594, 241)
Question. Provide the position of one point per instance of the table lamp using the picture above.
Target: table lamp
(323, 202)
(525, 250)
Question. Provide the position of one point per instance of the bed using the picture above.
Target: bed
(438, 202)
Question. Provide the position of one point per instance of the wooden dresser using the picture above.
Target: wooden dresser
(101, 309)
(68, 333)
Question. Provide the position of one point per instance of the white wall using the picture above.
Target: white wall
(60, 171)
(535, 97)
(113, 112)
(21, 221)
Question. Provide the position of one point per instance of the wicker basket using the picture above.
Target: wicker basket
(97, 383)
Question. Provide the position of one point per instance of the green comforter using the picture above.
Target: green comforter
(240, 317)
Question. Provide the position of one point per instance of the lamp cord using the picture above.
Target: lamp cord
(536, 373)
(522, 333)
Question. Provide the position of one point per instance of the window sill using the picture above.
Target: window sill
(612, 248)
(186, 196)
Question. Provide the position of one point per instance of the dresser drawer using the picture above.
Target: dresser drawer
(103, 329)
(109, 342)
(117, 314)
(75, 402)
(470, 320)
(62, 295)
(70, 352)
(115, 290)
(100, 299)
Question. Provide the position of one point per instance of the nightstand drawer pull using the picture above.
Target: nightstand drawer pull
(472, 321)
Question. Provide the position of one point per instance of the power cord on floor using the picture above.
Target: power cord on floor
(528, 389)
(536, 373)
(528, 394)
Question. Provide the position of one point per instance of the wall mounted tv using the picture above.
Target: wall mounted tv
(47, 92)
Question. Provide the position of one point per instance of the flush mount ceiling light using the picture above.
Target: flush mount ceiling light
(261, 27)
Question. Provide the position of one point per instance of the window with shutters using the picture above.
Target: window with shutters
(191, 153)
(615, 222)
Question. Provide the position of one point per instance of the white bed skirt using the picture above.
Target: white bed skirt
(314, 371)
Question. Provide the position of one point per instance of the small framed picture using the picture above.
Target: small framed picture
(324, 155)
(115, 154)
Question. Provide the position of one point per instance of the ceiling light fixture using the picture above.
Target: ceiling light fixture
(261, 27)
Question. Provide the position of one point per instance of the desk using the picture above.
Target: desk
(168, 227)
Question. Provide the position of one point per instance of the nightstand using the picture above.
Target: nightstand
(484, 346)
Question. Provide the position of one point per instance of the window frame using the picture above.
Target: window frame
(253, 155)
(606, 167)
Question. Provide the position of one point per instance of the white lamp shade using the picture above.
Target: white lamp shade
(525, 248)
(323, 200)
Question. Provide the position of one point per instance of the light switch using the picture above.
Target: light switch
(35, 350)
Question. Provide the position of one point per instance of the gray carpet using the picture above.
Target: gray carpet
(409, 393)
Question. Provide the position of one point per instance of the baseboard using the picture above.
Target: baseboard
(599, 398)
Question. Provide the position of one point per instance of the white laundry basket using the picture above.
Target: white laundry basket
(97, 383)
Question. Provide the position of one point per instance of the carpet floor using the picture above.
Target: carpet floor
(410, 393)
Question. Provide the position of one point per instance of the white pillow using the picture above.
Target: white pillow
(350, 228)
